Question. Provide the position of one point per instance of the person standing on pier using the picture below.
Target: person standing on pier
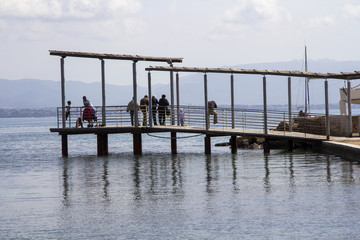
(211, 107)
(144, 103)
(67, 112)
(154, 103)
(131, 108)
(163, 109)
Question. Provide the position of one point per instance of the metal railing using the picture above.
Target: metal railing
(194, 116)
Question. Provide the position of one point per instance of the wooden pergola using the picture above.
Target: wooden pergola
(311, 75)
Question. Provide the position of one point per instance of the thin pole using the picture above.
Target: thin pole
(265, 105)
(150, 100)
(103, 91)
(136, 122)
(232, 102)
(349, 109)
(206, 103)
(178, 98)
(289, 104)
(63, 91)
(327, 123)
(172, 96)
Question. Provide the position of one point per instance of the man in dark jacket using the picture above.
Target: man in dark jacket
(154, 103)
(144, 103)
(163, 109)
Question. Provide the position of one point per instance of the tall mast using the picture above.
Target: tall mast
(307, 91)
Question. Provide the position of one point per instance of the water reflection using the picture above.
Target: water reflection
(65, 177)
(266, 179)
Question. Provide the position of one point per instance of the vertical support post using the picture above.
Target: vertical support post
(265, 105)
(150, 100)
(206, 103)
(291, 145)
(207, 144)
(172, 96)
(266, 145)
(102, 144)
(177, 99)
(137, 145)
(136, 120)
(327, 119)
(64, 144)
(103, 92)
(289, 104)
(349, 109)
(173, 143)
(233, 142)
(62, 68)
(232, 102)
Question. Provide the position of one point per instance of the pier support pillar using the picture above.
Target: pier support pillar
(137, 146)
(64, 145)
(291, 145)
(102, 144)
(207, 144)
(173, 143)
(233, 143)
(267, 146)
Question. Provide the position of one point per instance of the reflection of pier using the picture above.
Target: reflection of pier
(232, 122)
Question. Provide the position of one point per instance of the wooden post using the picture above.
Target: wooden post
(327, 119)
(232, 102)
(207, 144)
(64, 145)
(103, 92)
(206, 103)
(233, 142)
(136, 120)
(150, 101)
(289, 104)
(178, 99)
(266, 145)
(265, 105)
(349, 109)
(137, 146)
(63, 92)
(173, 143)
(291, 145)
(102, 144)
(172, 97)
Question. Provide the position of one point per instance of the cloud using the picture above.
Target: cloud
(323, 21)
(352, 11)
(250, 12)
(62, 9)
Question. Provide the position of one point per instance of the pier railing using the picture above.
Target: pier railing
(194, 116)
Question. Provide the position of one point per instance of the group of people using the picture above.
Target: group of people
(157, 107)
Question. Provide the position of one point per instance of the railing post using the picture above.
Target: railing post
(232, 102)
(150, 100)
(206, 103)
(327, 120)
(136, 120)
(103, 92)
(62, 91)
(265, 105)
(289, 104)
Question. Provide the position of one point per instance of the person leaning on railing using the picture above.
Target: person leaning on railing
(131, 108)
(144, 103)
(211, 107)
(163, 109)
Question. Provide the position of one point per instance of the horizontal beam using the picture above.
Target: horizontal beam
(312, 75)
(114, 56)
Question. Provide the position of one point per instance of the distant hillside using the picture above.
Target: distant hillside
(32, 93)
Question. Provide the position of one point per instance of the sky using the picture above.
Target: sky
(206, 33)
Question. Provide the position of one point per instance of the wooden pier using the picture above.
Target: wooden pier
(260, 123)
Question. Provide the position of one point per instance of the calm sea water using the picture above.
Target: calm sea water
(299, 195)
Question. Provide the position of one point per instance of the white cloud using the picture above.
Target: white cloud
(250, 12)
(74, 9)
(323, 21)
(352, 11)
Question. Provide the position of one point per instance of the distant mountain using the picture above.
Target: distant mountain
(32, 93)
